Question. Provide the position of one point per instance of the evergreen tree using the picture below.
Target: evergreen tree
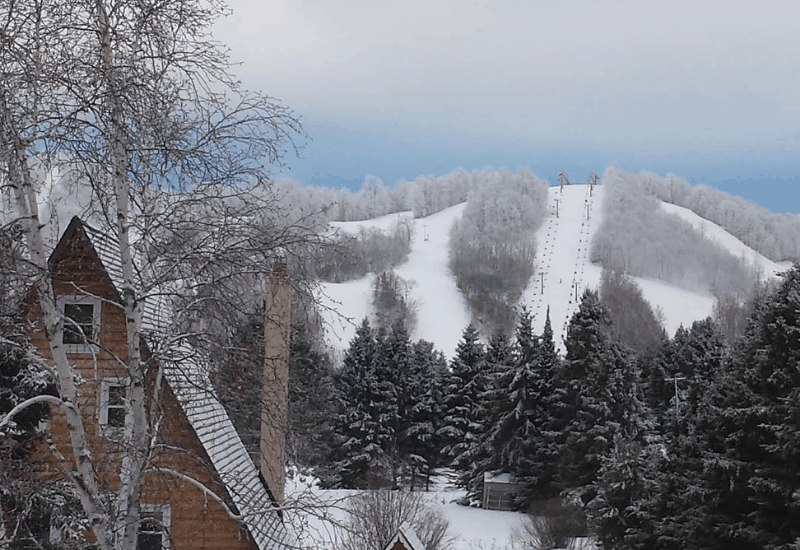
(362, 428)
(540, 473)
(464, 412)
(600, 397)
(310, 402)
(499, 358)
(756, 475)
(419, 443)
(394, 400)
(26, 500)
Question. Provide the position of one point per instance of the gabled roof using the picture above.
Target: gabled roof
(406, 538)
(190, 382)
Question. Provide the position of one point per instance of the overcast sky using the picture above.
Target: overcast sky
(708, 90)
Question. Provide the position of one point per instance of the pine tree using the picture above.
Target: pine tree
(600, 397)
(760, 430)
(539, 473)
(516, 412)
(419, 443)
(310, 402)
(394, 400)
(499, 359)
(464, 411)
(361, 429)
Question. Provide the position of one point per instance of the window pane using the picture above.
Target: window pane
(150, 534)
(83, 316)
(116, 417)
(148, 541)
(116, 395)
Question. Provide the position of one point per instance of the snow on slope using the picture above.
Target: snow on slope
(441, 312)
(575, 215)
(562, 267)
(384, 223)
(715, 233)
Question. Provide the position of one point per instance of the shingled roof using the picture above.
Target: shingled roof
(189, 380)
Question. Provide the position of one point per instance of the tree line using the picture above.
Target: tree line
(685, 442)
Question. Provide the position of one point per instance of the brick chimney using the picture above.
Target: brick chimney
(275, 381)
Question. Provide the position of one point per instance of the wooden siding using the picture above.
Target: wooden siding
(197, 521)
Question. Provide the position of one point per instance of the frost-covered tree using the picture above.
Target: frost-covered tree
(635, 322)
(491, 247)
(638, 237)
(134, 102)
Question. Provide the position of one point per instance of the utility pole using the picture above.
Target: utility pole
(542, 277)
(675, 380)
(556, 208)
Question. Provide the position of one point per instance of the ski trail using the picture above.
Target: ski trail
(562, 269)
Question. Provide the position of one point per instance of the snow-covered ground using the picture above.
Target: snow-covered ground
(713, 232)
(472, 528)
(562, 269)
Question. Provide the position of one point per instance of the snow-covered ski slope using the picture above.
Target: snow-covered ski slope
(562, 269)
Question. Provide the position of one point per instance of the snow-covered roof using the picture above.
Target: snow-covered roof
(190, 382)
(495, 477)
(219, 438)
(406, 536)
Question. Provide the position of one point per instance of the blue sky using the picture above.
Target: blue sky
(708, 90)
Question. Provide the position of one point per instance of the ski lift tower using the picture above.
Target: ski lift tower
(563, 178)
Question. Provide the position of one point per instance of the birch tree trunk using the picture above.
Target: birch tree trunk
(135, 100)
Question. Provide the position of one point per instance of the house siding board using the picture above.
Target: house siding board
(194, 420)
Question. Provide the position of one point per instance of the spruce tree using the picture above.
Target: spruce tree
(310, 402)
(464, 387)
(600, 397)
(758, 472)
(516, 406)
(419, 442)
(361, 430)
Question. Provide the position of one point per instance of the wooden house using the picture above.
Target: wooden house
(203, 490)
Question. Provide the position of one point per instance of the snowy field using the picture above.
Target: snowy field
(562, 272)
(472, 528)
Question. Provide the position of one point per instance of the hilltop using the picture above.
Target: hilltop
(562, 270)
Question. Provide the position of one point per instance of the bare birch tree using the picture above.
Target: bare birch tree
(135, 99)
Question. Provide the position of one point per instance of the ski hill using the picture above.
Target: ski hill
(562, 271)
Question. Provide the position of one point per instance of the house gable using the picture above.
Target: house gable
(196, 439)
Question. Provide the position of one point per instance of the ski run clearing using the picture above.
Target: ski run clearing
(562, 272)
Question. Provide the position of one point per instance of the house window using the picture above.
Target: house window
(113, 394)
(153, 528)
(81, 322)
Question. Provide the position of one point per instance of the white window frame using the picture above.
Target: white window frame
(102, 411)
(166, 521)
(83, 300)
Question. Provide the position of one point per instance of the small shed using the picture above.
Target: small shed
(405, 539)
(499, 490)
